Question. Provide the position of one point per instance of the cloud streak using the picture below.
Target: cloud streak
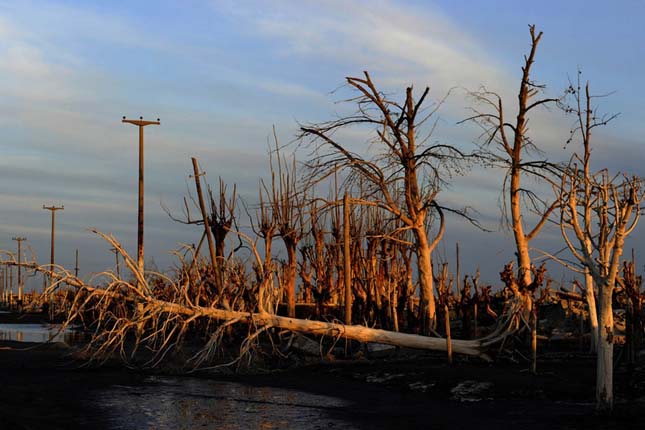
(219, 78)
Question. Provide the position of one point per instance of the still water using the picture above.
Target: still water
(178, 403)
(38, 333)
(190, 403)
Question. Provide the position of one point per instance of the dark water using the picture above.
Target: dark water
(38, 333)
(191, 403)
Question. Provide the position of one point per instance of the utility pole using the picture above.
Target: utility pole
(116, 257)
(2, 285)
(19, 240)
(10, 285)
(76, 264)
(347, 259)
(140, 123)
(53, 210)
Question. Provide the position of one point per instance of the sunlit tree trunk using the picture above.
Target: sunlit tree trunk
(427, 311)
(590, 296)
(521, 241)
(405, 180)
(605, 359)
(511, 147)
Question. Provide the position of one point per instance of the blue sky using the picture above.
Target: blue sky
(220, 74)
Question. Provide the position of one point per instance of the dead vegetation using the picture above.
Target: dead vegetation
(361, 267)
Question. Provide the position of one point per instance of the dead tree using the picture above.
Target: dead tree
(217, 223)
(508, 145)
(222, 216)
(404, 178)
(265, 226)
(616, 206)
(131, 316)
(317, 256)
(586, 120)
(287, 208)
(597, 212)
(631, 285)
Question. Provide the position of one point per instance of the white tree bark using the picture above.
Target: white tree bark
(605, 364)
(593, 312)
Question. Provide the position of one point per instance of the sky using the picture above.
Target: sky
(221, 74)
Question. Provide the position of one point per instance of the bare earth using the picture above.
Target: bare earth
(43, 388)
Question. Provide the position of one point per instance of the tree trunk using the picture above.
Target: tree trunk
(290, 283)
(593, 312)
(347, 260)
(521, 242)
(534, 321)
(427, 311)
(446, 311)
(356, 332)
(604, 369)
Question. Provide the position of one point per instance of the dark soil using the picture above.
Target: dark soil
(24, 318)
(418, 391)
(42, 387)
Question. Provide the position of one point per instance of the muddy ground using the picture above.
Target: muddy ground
(42, 387)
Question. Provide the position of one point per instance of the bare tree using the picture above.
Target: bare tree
(287, 209)
(265, 227)
(129, 316)
(597, 212)
(217, 225)
(508, 145)
(586, 119)
(404, 178)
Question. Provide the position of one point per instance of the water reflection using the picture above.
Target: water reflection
(189, 403)
(38, 333)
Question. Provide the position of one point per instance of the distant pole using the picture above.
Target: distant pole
(446, 312)
(140, 123)
(76, 264)
(10, 285)
(19, 240)
(52, 248)
(2, 285)
(534, 338)
(347, 260)
(458, 284)
(116, 257)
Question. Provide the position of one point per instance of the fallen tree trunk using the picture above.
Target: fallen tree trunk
(321, 328)
(159, 324)
(359, 333)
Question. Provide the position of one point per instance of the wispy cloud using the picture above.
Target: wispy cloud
(219, 79)
(403, 44)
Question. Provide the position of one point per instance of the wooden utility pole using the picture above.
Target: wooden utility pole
(446, 311)
(76, 264)
(140, 123)
(116, 257)
(53, 210)
(347, 260)
(534, 338)
(19, 240)
(11, 285)
(458, 264)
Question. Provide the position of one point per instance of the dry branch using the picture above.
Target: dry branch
(130, 315)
